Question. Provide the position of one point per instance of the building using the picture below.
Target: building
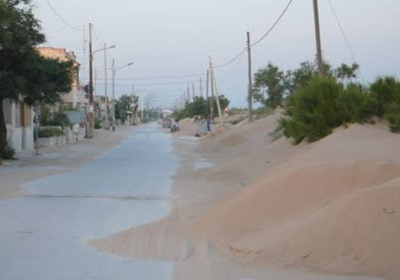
(76, 98)
(19, 116)
(19, 122)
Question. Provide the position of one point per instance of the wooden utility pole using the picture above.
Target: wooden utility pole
(212, 94)
(318, 38)
(207, 93)
(91, 99)
(201, 87)
(106, 123)
(250, 89)
(215, 91)
(188, 93)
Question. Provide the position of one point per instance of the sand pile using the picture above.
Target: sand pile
(335, 206)
(331, 206)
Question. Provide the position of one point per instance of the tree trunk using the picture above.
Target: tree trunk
(3, 129)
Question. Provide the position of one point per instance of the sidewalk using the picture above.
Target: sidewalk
(28, 167)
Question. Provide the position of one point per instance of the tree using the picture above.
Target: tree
(23, 72)
(122, 106)
(270, 81)
(346, 72)
(298, 78)
(200, 107)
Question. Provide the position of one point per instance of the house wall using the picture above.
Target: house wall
(19, 123)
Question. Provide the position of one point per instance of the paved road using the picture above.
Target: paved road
(43, 235)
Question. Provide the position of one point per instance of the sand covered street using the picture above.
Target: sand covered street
(94, 190)
(232, 205)
(247, 207)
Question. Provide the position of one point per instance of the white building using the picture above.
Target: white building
(19, 122)
(76, 98)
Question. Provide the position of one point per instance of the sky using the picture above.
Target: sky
(177, 37)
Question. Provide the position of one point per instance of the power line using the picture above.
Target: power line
(97, 37)
(344, 36)
(274, 25)
(80, 29)
(259, 40)
(232, 60)
(155, 84)
(164, 77)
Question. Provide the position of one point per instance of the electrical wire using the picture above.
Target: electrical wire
(344, 36)
(155, 84)
(274, 25)
(259, 40)
(164, 77)
(97, 37)
(231, 61)
(80, 29)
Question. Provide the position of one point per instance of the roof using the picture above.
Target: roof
(57, 53)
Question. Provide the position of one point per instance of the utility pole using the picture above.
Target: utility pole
(212, 94)
(250, 93)
(141, 111)
(91, 99)
(106, 124)
(201, 87)
(214, 87)
(193, 92)
(113, 94)
(318, 38)
(188, 92)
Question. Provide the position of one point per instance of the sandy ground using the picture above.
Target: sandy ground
(330, 207)
(15, 173)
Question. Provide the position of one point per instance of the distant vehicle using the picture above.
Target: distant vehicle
(175, 128)
(166, 123)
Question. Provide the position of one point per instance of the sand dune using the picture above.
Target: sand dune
(332, 206)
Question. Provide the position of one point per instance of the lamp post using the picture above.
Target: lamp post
(105, 77)
(91, 97)
(113, 86)
(147, 99)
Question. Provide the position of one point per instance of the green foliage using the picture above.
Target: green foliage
(238, 120)
(385, 91)
(392, 115)
(322, 105)
(8, 152)
(269, 80)
(346, 72)
(23, 72)
(50, 132)
(47, 118)
(200, 108)
(60, 119)
(356, 105)
(272, 85)
(98, 123)
(122, 106)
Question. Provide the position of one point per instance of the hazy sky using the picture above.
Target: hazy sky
(176, 37)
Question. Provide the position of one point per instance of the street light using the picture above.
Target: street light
(114, 74)
(91, 99)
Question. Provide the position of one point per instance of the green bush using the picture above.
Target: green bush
(8, 152)
(392, 115)
(238, 120)
(355, 105)
(50, 132)
(386, 94)
(98, 123)
(60, 119)
(385, 91)
(322, 105)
